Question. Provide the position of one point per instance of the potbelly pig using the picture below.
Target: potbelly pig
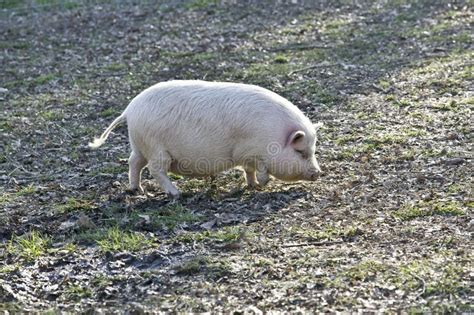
(199, 128)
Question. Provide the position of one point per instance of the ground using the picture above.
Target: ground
(387, 228)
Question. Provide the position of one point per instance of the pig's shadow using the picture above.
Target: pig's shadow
(233, 208)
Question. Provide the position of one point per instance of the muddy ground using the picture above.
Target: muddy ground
(387, 228)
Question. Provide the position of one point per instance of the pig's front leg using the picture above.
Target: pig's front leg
(257, 178)
(159, 167)
(262, 176)
(251, 177)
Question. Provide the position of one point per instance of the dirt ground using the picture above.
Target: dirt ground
(387, 228)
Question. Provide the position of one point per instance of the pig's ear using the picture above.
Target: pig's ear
(318, 125)
(296, 139)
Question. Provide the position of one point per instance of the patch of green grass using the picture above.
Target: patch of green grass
(365, 270)
(39, 4)
(455, 188)
(263, 262)
(468, 101)
(89, 237)
(424, 209)
(433, 153)
(469, 204)
(202, 264)
(327, 232)
(10, 4)
(109, 112)
(224, 235)
(116, 240)
(169, 216)
(351, 153)
(317, 94)
(114, 169)
(200, 4)
(101, 281)
(27, 190)
(29, 246)
(259, 73)
(116, 67)
(77, 292)
(13, 84)
(5, 198)
(378, 140)
(408, 155)
(447, 208)
(281, 59)
(406, 277)
(70, 5)
(43, 79)
(11, 307)
(9, 268)
(173, 176)
(413, 132)
(449, 282)
(325, 97)
(192, 184)
(51, 115)
(70, 247)
(14, 45)
(6, 125)
(403, 102)
(312, 56)
(390, 98)
(335, 27)
(74, 204)
(203, 56)
(433, 278)
(384, 84)
(192, 266)
(406, 213)
(69, 101)
(451, 105)
(345, 139)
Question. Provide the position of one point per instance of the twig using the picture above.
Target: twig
(299, 47)
(422, 282)
(378, 88)
(312, 244)
(319, 65)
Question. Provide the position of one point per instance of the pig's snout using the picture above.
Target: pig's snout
(315, 174)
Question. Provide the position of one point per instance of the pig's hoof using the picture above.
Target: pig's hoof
(174, 195)
(252, 186)
(135, 191)
(257, 187)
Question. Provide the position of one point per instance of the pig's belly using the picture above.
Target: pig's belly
(200, 167)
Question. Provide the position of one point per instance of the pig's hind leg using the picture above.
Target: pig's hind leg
(136, 164)
(257, 175)
(159, 165)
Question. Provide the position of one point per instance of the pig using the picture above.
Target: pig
(198, 128)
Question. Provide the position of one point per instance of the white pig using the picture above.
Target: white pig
(199, 128)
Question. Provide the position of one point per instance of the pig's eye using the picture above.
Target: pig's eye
(302, 153)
